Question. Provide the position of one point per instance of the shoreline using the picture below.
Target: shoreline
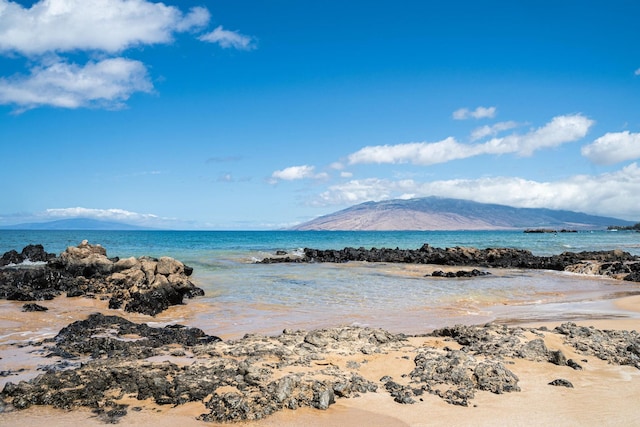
(536, 404)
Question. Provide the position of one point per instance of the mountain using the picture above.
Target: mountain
(75, 224)
(437, 213)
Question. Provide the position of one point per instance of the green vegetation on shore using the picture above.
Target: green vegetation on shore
(635, 227)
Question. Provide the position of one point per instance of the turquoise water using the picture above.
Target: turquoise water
(242, 296)
(241, 243)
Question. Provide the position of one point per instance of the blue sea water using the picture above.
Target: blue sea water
(242, 296)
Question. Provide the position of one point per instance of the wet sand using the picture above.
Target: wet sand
(603, 394)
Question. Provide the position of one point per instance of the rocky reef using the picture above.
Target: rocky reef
(106, 362)
(143, 285)
(615, 263)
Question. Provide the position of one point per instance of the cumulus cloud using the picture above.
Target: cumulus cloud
(613, 148)
(228, 39)
(478, 113)
(420, 153)
(294, 173)
(107, 83)
(612, 194)
(493, 130)
(100, 28)
(559, 130)
(104, 25)
(637, 72)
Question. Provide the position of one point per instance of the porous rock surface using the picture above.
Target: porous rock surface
(614, 263)
(105, 360)
(144, 285)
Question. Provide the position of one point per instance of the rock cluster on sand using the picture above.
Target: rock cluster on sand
(144, 285)
(106, 361)
(614, 263)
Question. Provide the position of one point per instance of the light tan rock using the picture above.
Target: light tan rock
(126, 263)
(149, 268)
(160, 281)
(168, 265)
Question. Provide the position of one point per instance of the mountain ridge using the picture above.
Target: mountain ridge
(75, 224)
(439, 213)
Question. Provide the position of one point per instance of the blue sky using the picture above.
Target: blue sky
(240, 114)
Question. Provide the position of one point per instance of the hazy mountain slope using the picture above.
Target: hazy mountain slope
(74, 224)
(435, 213)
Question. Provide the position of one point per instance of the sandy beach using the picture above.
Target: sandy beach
(603, 393)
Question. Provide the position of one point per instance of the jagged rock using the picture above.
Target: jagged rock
(33, 253)
(401, 394)
(460, 273)
(253, 377)
(557, 358)
(11, 257)
(101, 335)
(561, 383)
(146, 285)
(619, 347)
(494, 377)
(615, 263)
(33, 307)
(574, 365)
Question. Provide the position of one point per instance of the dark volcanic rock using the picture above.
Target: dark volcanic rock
(33, 307)
(618, 347)
(460, 273)
(456, 375)
(237, 380)
(561, 383)
(109, 336)
(145, 285)
(251, 378)
(154, 301)
(32, 253)
(613, 263)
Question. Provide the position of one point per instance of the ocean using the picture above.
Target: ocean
(245, 297)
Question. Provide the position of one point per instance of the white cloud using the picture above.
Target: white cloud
(492, 130)
(107, 83)
(637, 72)
(478, 113)
(102, 214)
(612, 194)
(613, 148)
(50, 28)
(294, 173)
(228, 39)
(559, 130)
(104, 25)
(420, 153)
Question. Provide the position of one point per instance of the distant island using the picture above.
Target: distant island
(438, 213)
(75, 224)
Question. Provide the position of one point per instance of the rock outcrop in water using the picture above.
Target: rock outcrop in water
(614, 263)
(105, 361)
(144, 285)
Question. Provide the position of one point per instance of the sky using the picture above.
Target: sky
(238, 114)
